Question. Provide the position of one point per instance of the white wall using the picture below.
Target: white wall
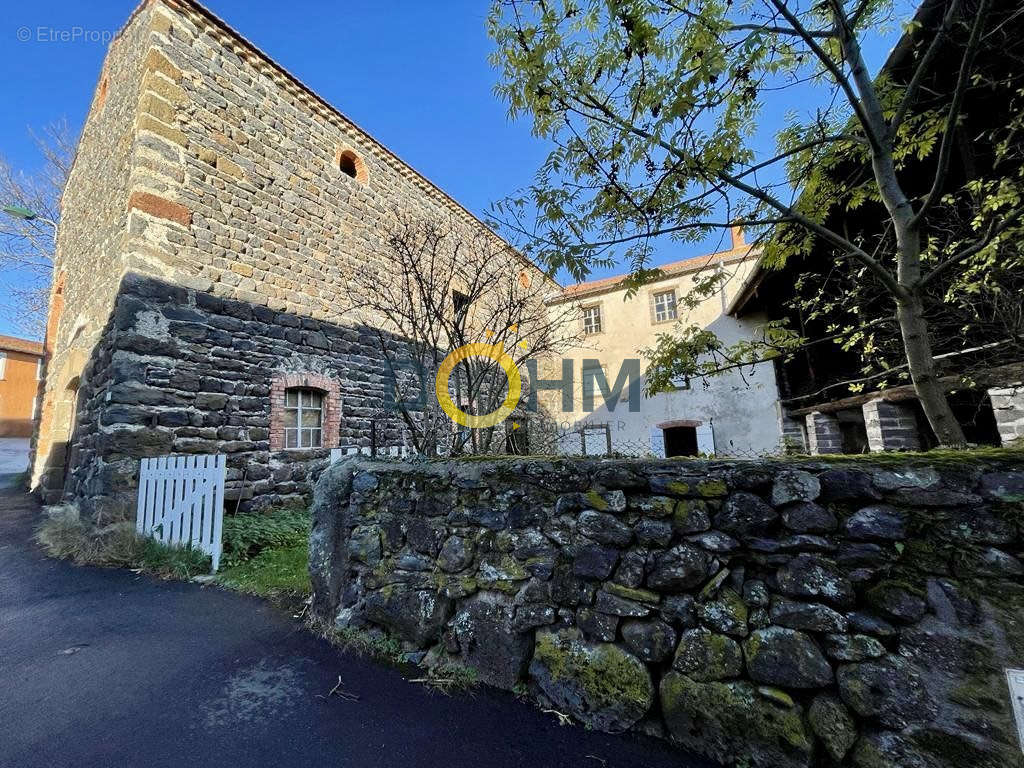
(739, 405)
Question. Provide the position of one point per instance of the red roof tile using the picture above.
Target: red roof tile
(692, 264)
(12, 344)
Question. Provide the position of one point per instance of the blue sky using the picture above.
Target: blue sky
(413, 74)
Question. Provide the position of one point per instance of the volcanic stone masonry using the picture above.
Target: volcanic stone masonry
(184, 371)
(777, 615)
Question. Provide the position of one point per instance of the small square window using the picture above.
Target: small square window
(664, 306)
(591, 320)
(303, 418)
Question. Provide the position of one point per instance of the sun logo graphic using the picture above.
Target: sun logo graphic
(495, 352)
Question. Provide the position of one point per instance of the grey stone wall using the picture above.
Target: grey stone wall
(1008, 407)
(252, 157)
(823, 433)
(891, 426)
(183, 371)
(767, 614)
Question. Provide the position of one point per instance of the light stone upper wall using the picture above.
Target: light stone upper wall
(266, 214)
(90, 253)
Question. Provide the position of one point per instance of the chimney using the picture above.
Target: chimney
(738, 240)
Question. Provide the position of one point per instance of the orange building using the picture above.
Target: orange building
(21, 365)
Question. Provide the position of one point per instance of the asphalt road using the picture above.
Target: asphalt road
(110, 668)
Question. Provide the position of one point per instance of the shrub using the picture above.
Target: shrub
(248, 534)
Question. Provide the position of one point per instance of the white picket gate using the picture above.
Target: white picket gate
(181, 501)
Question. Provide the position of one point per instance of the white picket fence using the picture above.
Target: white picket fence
(181, 502)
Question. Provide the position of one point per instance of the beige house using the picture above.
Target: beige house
(733, 414)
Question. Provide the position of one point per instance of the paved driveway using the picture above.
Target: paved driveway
(110, 668)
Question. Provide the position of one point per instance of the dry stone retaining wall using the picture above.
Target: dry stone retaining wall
(782, 614)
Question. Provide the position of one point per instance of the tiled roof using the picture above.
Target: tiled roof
(12, 344)
(672, 269)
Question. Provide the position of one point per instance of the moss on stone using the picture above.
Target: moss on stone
(685, 509)
(776, 696)
(983, 691)
(866, 754)
(630, 593)
(956, 749)
(728, 720)
(712, 488)
(594, 501)
(677, 488)
(607, 674)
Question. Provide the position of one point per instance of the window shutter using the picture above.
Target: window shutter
(705, 439)
(658, 442)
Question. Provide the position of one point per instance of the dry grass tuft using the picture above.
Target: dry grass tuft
(63, 534)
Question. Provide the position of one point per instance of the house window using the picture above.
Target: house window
(305, 411)
(303, 418)
(664, 306)
(3, 364)
(351, 165)
(460, 301)
(591, 320)
(39, 369)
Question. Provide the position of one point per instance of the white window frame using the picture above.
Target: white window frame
(592, 320)
(665, 308)
(293, 436)
(3, 364)
(39, 369)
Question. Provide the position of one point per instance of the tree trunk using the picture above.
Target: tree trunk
(921, 362)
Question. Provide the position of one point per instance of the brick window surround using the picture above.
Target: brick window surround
(351, 164)
(332, 407)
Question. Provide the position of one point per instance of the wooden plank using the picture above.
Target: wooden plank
(217, 494)
(140, 504)
(205, 508)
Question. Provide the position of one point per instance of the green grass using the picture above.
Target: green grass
(448, 676)
(276, 573)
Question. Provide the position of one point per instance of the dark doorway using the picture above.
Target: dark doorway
(855, 434)
(973, 410)
(517, 441)
(680, 441)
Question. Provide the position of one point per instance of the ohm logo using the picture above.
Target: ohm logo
(495, 352)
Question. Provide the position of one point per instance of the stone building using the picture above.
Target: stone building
(20, 371)
(214, 212)
(732, 414)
